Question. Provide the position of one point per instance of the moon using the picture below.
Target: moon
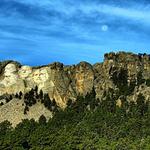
(104, 28)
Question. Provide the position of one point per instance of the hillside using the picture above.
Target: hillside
(83, 106)
(86, 124)
(127, 74)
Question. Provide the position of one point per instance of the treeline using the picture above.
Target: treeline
(8, 97)
(86, 124)
(33, 96)
(30, 98)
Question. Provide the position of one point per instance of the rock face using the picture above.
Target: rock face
(60, 82)
(67, 82)
(13, 111)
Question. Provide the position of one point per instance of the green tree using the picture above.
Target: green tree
(47, 102)
(42, 120)
(41, 94)
(142, 106)
(140, 78)
(109, 102)
(5, 126)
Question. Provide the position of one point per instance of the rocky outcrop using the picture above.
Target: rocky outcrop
(13, 112)
(67, 82)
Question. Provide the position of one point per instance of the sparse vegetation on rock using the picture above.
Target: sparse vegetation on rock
(104, 125)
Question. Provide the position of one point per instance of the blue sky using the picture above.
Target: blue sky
(37, 32)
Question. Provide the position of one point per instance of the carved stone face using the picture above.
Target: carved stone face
(25, 71)
(40, 75)
(10, 77)
(9, 69)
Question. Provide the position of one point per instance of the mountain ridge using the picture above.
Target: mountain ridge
(127, 74)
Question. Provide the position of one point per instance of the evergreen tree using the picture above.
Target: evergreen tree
(20, 95)
(141, 105)
(42, 120)
(5, 126)
(17, 95)
(7, 99)
(148, 82)
(47, 101)
(26, 109)
(41, 94)
(1, 104)
(25, 145)
(36, 89)
(140, 78)
(10, 97)
(109, 103)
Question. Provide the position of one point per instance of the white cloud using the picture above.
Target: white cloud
(133, 13)
(137, 12)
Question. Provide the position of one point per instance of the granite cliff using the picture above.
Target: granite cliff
(127, 74)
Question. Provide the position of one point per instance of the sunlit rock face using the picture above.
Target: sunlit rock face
(10, 76)
(13, 112)
(9, 69)
(40, 75)
(84, 78)
(10, 82)
(51, 79)
(66, 82)
(25, 71)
